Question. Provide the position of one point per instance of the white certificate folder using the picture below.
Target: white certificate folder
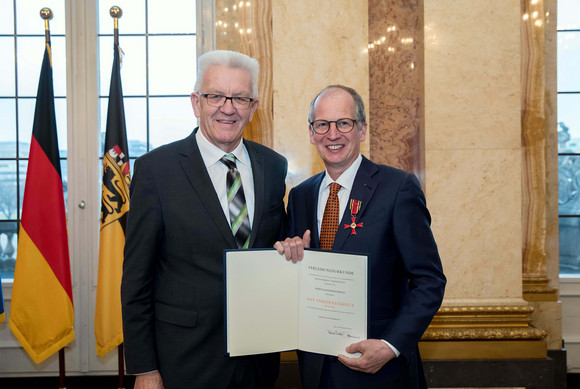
(318, 305)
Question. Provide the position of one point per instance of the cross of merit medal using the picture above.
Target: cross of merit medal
(354, 208)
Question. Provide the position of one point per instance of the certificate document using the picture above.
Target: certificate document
(318, 304)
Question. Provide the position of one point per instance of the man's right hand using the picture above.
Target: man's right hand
(293, 248)
(149, 381)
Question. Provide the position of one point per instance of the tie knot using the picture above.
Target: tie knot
(334, 188)
(229, 160)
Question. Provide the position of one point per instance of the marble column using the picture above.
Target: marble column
(474, 175)
(539, 186)
(396, 84)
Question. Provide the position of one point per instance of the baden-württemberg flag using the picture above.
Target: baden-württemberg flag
(41, 313)
(114, 208)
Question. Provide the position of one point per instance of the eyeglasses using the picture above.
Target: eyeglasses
(344, 125)
(219, 100)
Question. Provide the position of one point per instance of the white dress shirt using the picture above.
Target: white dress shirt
(217, 171)
(346, 181)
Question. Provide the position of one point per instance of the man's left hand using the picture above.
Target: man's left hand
(374, 355)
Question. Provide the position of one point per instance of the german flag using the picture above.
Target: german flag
(114, 209)
(41, 313)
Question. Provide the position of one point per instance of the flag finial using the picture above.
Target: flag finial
(116, 12)
(46, 14)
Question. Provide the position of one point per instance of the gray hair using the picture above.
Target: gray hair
(230, 59)
(360, 115)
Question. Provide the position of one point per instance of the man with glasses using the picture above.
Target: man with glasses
(358, 206)
(190, 200)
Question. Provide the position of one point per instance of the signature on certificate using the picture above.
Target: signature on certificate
(344, 334)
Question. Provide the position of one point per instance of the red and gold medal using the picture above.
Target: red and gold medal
(354, 208)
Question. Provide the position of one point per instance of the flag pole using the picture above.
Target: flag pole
(46, 14)
(61, 369)
(116, 12)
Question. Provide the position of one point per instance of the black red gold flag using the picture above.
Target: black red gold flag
(41, 312)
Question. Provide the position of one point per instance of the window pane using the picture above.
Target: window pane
(568, 123)
(58, 49)
(568, 11)
(28, 19)
(172, 65)
(7, 86)
(568, 59)
(61, 129)
(181, 19)
(170, 119)
(135, 121)
(25, 119)
(30, 55)
(7, 128)
(7, 17)
(569, 185)
(569, 245)
(8, 245)
(8, 190)
(131, 22)
(133, 65)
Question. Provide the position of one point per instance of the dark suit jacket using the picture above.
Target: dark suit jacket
(172, 286)
(406, 276)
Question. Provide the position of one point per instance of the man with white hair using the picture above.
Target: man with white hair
(190, 200)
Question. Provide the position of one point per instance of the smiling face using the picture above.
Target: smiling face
(223, 126)
(337, 150)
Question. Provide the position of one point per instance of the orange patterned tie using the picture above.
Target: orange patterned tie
(330, 218)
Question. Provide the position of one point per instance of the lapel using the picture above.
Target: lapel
(258, 171)
(363, 188)
(312, 210)
(198, 177)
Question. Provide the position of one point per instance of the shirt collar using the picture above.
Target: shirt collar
(346, 179)
(211, 154)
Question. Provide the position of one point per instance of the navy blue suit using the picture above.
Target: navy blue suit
(406, 275)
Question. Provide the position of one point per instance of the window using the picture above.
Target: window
(22, 44)
(569, 135)
(159, 41)
(158, 69)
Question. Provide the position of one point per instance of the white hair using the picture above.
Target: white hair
(230, 59)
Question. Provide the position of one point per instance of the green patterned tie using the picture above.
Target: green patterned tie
(239, 220)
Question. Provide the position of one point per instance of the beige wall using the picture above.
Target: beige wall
(314, 44)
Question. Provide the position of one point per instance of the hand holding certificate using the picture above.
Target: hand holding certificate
(317, 305)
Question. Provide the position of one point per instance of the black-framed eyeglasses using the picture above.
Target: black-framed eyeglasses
(343, 125)
(219, 100)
